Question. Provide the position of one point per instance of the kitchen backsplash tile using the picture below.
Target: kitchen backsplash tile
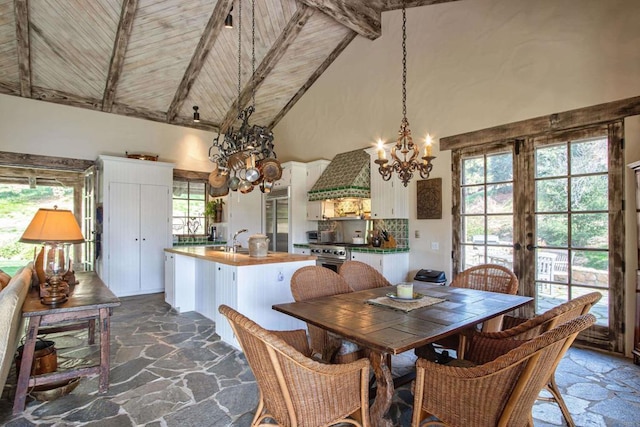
(398, 228)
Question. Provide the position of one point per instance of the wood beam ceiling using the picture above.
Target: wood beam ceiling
(286, 38)
(123, 33)
(44, 162)
(209, 36)
(358, 15)
(21, 8)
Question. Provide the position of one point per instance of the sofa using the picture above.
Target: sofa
(12, 326)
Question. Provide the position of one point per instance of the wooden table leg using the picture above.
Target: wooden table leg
(25, 366)
(384, 393)
(105, 332)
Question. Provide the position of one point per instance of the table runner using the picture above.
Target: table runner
(405, 306)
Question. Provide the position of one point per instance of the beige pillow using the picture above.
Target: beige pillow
(4, 279)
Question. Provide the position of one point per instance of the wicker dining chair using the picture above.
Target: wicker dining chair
(498, 393)
(483, 277)
(480, 348)
(314, 282)
(295, 390)
(361, 276)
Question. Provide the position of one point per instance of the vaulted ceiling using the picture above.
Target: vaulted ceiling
(156, 59)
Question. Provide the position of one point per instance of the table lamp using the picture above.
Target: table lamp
(56, 229)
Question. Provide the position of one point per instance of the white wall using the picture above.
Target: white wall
(36, 127)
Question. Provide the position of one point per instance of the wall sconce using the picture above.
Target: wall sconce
(196, 115)
(57, 229)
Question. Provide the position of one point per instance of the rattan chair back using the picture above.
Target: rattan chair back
(314, 282)
(487, 277)
(294, 389)
(497, 393)
(361, 276)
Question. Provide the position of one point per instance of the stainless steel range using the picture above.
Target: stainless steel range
(331, 255)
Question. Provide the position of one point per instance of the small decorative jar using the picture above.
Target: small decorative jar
(258, 245)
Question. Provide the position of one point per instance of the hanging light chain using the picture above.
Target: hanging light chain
(404, 62)
(239, 52)
(253, 52)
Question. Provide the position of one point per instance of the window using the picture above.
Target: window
(188, 208)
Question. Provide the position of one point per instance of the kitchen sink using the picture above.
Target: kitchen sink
(224, 248)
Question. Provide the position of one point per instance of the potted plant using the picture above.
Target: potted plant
(213, 210)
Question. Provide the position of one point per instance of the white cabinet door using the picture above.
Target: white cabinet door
(389, 199)
(154, 225)
(205, 298)
(124, 238)
(314, 210)
(169, 279)
(393, 266)
(226, 292)
(314, 170)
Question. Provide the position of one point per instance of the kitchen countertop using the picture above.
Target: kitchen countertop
(237, 259)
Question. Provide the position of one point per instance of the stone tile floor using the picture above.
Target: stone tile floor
(171, 369)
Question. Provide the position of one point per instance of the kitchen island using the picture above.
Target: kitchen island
(200, 278)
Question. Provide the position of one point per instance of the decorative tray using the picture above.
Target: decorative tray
(416, 297)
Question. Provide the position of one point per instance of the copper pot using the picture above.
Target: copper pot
(271, 169)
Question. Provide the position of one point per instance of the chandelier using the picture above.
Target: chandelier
(404, 153)
(245, 158)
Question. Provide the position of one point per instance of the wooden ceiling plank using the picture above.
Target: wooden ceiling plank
(321, 69)
(572, 119)
(125, 26)
(161, 117)
(209, 36)
(357, 15)
(288, 36)
(44, 162)
(24, 54)
(65, 98)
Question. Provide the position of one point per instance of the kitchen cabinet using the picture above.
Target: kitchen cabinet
(136, 202)
(393, 266)
(315, 209)
(389, 199)
(169, 279)
(285, 179)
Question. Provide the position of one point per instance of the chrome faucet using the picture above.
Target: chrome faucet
(235, 243)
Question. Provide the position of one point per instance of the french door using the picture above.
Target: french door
(549, 208)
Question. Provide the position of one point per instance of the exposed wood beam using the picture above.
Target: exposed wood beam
(397, 4)
(316, 74)
(286, 38)
(65, 98)
(21, 175)
(44, 162)
(160, 116)
(208, 38)
(23, 46)
(123, 33)
(593, 115)
(10, 88)
(187, 175)
(360, 16)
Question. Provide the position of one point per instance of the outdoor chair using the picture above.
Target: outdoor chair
(295, 390)
(497, 393)
(314, 282)
(361, 276)
(480, 346)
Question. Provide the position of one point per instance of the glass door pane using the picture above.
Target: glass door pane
(571, 223)
(487, 210)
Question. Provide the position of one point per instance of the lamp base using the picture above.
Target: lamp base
(54, 293)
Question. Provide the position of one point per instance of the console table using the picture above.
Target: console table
(89, 300)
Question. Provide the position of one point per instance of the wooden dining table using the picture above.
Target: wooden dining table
(384, 330)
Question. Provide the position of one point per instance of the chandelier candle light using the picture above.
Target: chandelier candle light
(245, 158)
(404, 153)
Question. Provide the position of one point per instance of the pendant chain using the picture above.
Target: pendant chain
(239, 51)
(404, 63)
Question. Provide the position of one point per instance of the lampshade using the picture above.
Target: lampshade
(53, 225)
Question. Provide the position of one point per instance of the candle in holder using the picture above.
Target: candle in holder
(381, 153)
(405, 290)
(427, 146)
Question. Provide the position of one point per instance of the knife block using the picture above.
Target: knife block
(388, 244)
